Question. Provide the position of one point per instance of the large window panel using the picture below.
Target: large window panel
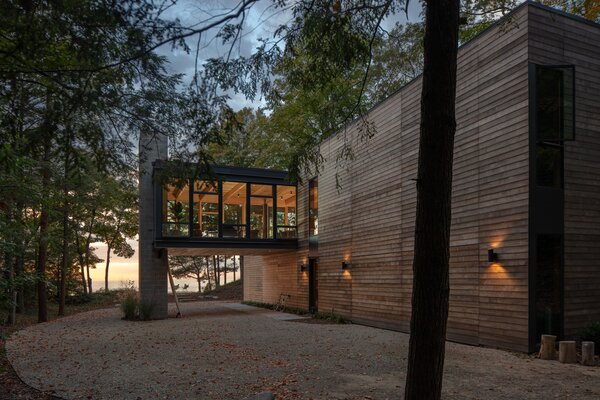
(261, 217)
(234, 209)
(206, 215)
(286, 212)
(176, 211)
(555, 103)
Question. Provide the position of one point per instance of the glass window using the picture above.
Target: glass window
(234, 209)
(206, 186)
(206, 215)
(548, 168)
(555, 101)
(548, 285)
(313, 207)
(286, 212)
(176, 211)
(261, 218)
(262, 190)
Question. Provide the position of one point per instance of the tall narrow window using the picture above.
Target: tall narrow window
(554, 110)
(548, 285)
(313, 208)
(286, 212)
(261, 211)
(176, 211)
(554, 121)
(234, 210)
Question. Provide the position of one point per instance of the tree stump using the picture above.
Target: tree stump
(587, 353)
(548, 347)
(566, 352)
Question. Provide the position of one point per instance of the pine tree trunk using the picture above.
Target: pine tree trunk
(65, 243)
(434, 186)
(43, 243)
(108, 249)
(234, 267)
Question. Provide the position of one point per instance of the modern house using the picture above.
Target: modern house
(525, 238)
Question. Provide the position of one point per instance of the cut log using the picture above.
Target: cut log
(587, 353)
(566, 352)
(548, 347)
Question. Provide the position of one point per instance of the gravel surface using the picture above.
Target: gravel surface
(228, 351)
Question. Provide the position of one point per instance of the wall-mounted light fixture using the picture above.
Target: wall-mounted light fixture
(492, 255)
(303, 267)
(346, 265)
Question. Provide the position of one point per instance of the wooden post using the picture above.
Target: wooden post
(174, 293)
(587, 353)
(566, 352)
(548, 347)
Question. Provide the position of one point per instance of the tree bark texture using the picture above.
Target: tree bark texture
(108, 250)
(434, 188)
(43, 241)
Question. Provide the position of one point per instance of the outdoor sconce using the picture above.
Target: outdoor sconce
(492, 256)
(346, 265)
(303, 267)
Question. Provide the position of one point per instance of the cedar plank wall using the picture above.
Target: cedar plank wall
(558, 40)
(369, 220)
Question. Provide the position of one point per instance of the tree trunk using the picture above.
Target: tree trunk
(12, 293)
(434, 187)
(234, 268)
(225, 269)
(43, 243)
(216, 271)
(19, 270)
(108, 249)
(199, 280)
(64, 262)
(82, 264)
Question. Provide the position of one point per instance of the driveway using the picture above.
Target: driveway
(222, 350)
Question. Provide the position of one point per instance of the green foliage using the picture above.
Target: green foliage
(591, 333)
(129, 304)
(146, 310)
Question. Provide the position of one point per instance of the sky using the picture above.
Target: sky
(261, 22)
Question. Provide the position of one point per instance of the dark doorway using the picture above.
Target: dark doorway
(548, 286)
(313, 284)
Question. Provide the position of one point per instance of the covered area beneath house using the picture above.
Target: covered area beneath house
(233, 211)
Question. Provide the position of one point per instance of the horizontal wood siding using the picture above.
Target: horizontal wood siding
(558, 40)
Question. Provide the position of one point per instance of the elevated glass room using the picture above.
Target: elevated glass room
(234, 208)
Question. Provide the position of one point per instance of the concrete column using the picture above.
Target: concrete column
(153, 264)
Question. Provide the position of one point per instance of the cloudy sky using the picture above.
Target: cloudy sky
(261, 22)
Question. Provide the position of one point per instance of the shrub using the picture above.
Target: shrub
(591, 333)
(146, 309)
(129, 305)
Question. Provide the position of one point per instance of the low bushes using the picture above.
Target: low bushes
(591, 333)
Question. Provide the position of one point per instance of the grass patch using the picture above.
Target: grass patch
(331, 317)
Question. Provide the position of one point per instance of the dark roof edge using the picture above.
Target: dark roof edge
(483, 32)
(239, 171)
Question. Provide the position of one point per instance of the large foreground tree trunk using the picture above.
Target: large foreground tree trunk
(434, 189)
(43, 243)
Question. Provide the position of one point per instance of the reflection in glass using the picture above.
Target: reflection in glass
(206, 186)
(286, 212)
(313, 207)
(234, 209)
(554, 108)
(206, 215)
(176, 211)
(261, 218)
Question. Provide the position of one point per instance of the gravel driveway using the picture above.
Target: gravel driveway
(228, 351)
